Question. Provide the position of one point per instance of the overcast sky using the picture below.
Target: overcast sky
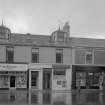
(86, 17)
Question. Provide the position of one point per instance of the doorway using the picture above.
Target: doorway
(34, 79)
(12, 81)
(47, 75)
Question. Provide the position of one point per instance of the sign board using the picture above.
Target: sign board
(39, 66)
(13, 67)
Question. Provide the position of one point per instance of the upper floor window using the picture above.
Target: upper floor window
(88, 57)
(59, 55)
(35, 55)
(9, 54)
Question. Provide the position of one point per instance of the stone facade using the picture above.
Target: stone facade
(53, 62)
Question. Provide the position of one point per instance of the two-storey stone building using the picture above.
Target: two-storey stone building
(56, 62)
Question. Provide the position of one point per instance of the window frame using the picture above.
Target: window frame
(8, 60)
(59, 51)
(36, 54)
(90, 52)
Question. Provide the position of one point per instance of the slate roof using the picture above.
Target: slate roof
(45, 40)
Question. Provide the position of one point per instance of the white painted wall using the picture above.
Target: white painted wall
(47, 55)
(22, 54)
(67, 56)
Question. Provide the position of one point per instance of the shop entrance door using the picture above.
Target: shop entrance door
(47, 79)
(34, 79)
(12, 81)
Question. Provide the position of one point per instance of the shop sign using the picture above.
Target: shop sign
(61, 66)
(13, 67)
(39, 66)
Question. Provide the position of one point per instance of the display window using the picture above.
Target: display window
(4, 81)
(87, 79)
(80, 79)
(21, 81)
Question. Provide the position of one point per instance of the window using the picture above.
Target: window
(88, 57)
(9, 54)
(35, 55)
(59, 55)
(60, 36)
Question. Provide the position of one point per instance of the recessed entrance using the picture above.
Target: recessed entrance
(12, 81)
(47, 79)
(34, 79)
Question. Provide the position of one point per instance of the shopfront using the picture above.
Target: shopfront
(87, 77)
(39, 78)
(62, 76)
(13, 76)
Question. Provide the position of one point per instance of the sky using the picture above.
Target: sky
(86, 17)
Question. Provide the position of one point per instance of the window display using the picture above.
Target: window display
(80, 79)
(21, 81)
(4, 81)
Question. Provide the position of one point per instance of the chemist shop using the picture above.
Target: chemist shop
(88, 77)
(13, 76)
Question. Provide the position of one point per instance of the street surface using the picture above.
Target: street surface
(51, 98)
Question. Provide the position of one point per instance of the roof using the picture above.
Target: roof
(88, 42)
(45, 40)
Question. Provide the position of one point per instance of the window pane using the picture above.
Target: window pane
(59, 56)
(35, 55)
(88, 57)
(35, 50)
(35, 58)
(9, 54)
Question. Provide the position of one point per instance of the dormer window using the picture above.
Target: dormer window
(61, 35)
(58, 36)
(28, 38)
(4, 32)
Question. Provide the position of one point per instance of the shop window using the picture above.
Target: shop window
(35, 55)
(21, 81)
(80, 79)
(88, 57)
(9, 54)
(93, 79)
(59, 55)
